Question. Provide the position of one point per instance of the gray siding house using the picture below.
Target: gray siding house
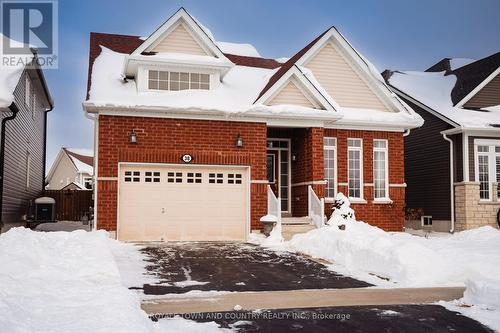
(24, 103)
(452, 162)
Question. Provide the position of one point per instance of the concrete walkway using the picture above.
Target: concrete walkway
(301, 299)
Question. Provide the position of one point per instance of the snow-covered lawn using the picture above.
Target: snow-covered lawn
(69, 282)
(395, 259)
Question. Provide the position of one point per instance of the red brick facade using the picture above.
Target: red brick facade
(213, 142)
(165, 141)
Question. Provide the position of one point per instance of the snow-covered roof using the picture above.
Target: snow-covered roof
(9, 77)
(434, 90)
(244, 90)
(82, 159)
(247, 50)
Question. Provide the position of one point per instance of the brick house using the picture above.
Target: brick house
(195, 136)
(457, 151)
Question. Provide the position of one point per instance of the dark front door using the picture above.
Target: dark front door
(272, 171)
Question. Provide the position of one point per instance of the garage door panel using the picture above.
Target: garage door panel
(182, 203)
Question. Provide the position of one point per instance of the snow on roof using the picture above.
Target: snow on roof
(433, 89)
(82, 159)
(9, 77)
(247, 50)
(459, 62)
(282, 60)
(235, 95)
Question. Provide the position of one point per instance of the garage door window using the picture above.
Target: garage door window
(152, 177)
(194, 178)
(233, 178)
(174, 177)
(216, 178)
(132, 176)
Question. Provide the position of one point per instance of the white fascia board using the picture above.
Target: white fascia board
(295, 72)
(381, 87)
(478, 88)
(133, 62)
(206, 114)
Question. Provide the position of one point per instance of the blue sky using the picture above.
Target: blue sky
(396, 34)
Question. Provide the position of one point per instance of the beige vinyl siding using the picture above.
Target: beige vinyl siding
(488, 96)
(64, 174)
(341, 81)
(180, 41)
(290, 94)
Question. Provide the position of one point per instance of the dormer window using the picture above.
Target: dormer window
(174, 81)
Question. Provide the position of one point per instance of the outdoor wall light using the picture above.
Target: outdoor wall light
(133, 137)
(294, 157)
(239, 141)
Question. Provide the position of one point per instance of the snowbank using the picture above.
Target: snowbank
(68, 282)
(483, 291)
(406, 260)
(481, 302)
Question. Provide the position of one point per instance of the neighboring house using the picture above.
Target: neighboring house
(453, 161)
(72, 169)
(190, 132)
(24, 103)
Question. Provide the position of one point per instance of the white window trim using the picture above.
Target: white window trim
(334, 148)
(386, 151)
(361, 198)
(422, 221)
(143, 76)
(492, 175)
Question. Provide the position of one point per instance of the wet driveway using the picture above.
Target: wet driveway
(183, 267)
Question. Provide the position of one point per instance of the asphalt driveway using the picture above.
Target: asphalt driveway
(394, 318)
(183, 267)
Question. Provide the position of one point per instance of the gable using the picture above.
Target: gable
(179, 40)
(342, 82)
(291, 94)
(489, 95)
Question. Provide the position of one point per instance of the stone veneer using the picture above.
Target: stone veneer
(469, 211)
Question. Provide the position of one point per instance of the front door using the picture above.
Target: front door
(278, 170)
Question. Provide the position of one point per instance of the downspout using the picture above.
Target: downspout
(452, 187)
(406, 132)
(95, 119)
(13, 107)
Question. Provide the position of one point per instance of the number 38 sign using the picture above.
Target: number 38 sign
(186, 158)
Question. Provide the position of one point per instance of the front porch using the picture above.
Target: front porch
(294, 161)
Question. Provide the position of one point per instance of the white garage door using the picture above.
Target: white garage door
(182, 203)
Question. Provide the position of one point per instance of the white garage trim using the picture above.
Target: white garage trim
(246, 168)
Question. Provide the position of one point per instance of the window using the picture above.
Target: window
(87, 182)
(330, 160)
(174, 177)
(194, 178)
(355, 168)
(380, 169)
(174, 81)
(270, 168)
(152, 177)
(426, 221)
(214, 178)
(487, 167)
(234, 178)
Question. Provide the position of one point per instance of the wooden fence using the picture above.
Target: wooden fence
(71, 205)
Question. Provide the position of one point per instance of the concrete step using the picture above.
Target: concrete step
(289, 230)
(295, 220)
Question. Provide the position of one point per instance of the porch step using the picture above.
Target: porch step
(289, 230)
(295, 220)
